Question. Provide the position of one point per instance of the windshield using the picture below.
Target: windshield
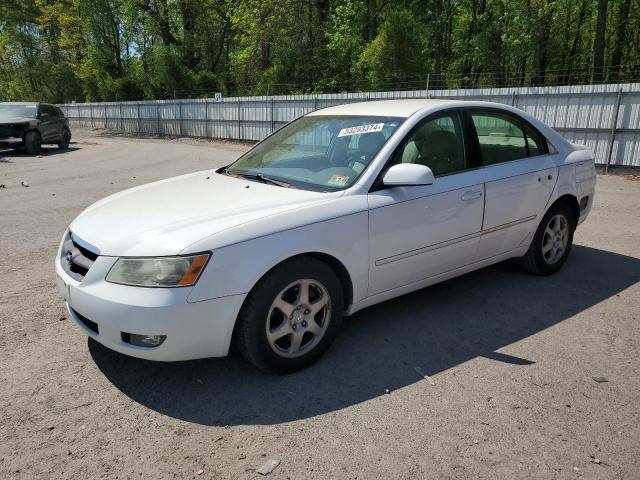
(30, 111)
(316, 152)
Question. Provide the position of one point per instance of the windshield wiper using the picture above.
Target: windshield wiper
(264, 179)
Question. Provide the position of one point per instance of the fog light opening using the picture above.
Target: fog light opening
(148, 341)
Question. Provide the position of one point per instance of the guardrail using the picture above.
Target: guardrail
(606, 118)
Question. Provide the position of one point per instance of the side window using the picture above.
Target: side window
(438, 144)
(535, 142)
(501, 139)
(49, 110)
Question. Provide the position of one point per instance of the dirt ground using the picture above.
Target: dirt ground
(512, 357)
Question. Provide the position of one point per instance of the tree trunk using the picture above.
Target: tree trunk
(467, 64)
(117, 50)
(160, 13)
(223, 42)
(265, 46)
(541, 38)
(497, 48)
(598, 43)
(438, 36)
(310, 50)
(189, 14)
(522, 63)
(620, 37)
(570, 58)
(324, 8)
(371, 12)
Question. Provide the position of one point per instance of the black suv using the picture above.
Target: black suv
(29, 125)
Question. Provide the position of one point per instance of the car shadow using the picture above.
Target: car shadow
(47, 151)
(434, 329)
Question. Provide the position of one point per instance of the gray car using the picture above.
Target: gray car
(30, 125)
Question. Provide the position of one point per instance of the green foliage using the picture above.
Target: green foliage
(99, 50)
(345, 42)
(395, 55)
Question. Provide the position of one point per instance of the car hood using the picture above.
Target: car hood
(164, 218)
(12, 120)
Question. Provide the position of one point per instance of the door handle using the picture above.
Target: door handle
(471, 195)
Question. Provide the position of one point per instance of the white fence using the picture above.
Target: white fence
(606, 118)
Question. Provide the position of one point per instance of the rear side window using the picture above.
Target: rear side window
(536, 143)
(49, 110)
(503, 138)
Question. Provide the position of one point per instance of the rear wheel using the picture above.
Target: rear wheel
(65, 140)
(33, 142)
(552, 242)
(291, 316)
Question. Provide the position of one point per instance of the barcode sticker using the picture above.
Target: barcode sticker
(373, 127)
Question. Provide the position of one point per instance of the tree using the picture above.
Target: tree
(345, 41)
(598, 42)
(624, 6)
(395, 55)
(61, 50)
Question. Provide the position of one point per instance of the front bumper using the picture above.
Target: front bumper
(10, 141)
(193, 329)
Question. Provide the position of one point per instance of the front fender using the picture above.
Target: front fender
(24, 133)
(236, 268)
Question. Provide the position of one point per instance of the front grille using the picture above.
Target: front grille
(93, 326)
(76, 260)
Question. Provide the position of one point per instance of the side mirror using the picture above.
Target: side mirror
(43, 115)
(408, 174)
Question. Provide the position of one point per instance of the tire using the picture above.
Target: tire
(63, 144)
(550, 246)
(278, 350)
(33, 142)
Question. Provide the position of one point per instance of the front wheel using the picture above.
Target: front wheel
(552, 242)
(32, 142)
(65, 139)
(291, 316)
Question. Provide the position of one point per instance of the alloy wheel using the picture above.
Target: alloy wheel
(298, 318)
(555, 239)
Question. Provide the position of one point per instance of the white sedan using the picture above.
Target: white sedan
(339, 210)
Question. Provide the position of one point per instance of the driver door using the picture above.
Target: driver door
(418, 232)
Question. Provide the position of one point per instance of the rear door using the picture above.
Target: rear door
(50, 123)
(62, 121)
(519, 176)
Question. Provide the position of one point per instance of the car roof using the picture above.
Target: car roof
(404, 108)
(392, 108)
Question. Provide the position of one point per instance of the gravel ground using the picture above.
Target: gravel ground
(512, 358)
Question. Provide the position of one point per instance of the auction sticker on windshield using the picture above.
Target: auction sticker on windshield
(373, 127)
(338, 180)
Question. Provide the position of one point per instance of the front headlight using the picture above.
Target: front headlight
(159, 271)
